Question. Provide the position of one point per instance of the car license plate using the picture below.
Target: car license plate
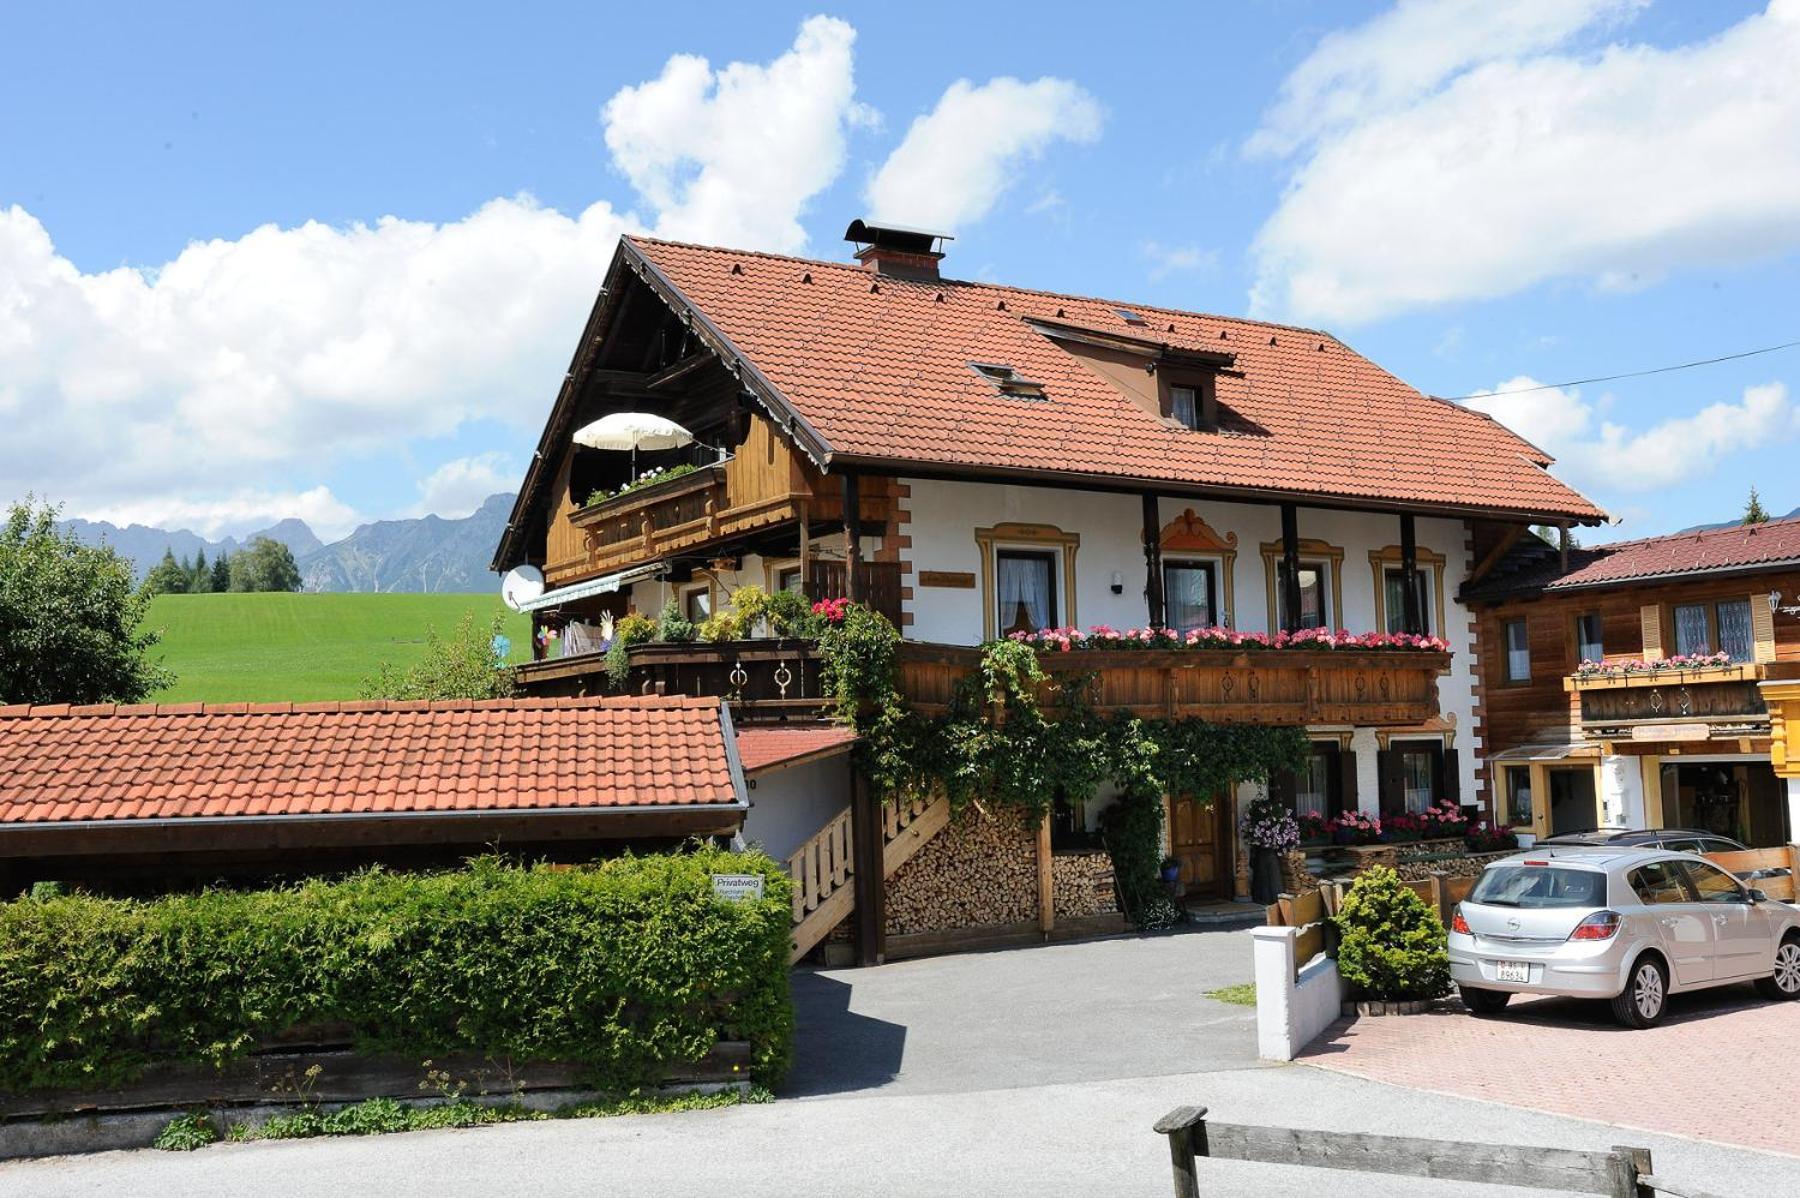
(1512, 971)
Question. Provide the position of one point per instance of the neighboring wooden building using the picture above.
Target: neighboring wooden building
(973, 459)
(1642, 736)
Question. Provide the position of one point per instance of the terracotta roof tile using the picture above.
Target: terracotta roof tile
(883, 373)
(1534, 566)
(768, 748)
(59, 763)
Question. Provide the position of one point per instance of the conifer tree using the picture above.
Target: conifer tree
(1754, 513)
(167, 577)
(200, 578)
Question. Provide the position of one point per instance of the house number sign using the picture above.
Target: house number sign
(737, 888)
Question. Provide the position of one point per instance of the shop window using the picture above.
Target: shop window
(1025, 591)
(1190, 595)
(1518, 651)
(1588, 643)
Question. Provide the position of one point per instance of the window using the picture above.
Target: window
(789, 578)
(1315, 785)
(1660, 882)
(1519, 811)
(1009, 381)
(1588, 646)
(1314, 612)
(1712, 884)
(1026, 591)
(1538, 886)
(697, 604)
(1722, 627)
(1418, 776)
(1394, 598)
(1518, 651)
(1412, 776)
(1189, 595)
(1184, 405)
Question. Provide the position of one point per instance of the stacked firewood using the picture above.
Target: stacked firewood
(979, 871)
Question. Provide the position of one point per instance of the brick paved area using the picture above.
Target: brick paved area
(1718, 1068)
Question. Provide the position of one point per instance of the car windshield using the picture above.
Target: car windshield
(1540, 886)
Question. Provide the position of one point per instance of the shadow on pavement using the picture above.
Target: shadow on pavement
(835, 1049)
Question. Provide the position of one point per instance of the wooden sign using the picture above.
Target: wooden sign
(947, 578)
(737, 888)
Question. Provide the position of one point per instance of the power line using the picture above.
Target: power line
(1633, 374)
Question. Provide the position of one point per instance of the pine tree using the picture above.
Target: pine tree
(167, 577)
(221, 575)
(1754, 512)
(200, 579)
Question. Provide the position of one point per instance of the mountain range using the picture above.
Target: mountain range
(426, 554)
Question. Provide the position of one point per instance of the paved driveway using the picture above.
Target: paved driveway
(1029, 1072)
(1718, 1068)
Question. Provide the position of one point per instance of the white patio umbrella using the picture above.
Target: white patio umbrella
(633, 431)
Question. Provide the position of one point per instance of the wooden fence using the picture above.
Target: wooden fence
(1623, 1172)
(1768, 863)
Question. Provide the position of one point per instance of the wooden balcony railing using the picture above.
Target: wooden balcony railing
(1226, 686)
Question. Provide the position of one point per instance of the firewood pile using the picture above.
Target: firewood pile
(979, 871)
(1082, 884)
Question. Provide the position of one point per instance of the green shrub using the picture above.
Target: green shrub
(673, 627)
(1391, 945)
(622, 967)
(634, 629)
(186, 1133)
(790, 614)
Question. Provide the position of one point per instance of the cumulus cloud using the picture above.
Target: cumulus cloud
(458, 487)
(1592, 451)
(956, 160)
(733, 155)
(1166, 260)
(1445, 153)
(146, 393)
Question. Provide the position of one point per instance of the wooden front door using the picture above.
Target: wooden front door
(1197, 839)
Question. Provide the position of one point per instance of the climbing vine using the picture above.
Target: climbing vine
(1016, 736)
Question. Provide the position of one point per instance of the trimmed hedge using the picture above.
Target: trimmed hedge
(624, 966)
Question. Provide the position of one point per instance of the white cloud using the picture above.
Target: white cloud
(1166, 260)
(732, 156)
(458, 487)
(1472, 164)
(1592, 451)
(153, 392)
(957, 159)
(238, 513)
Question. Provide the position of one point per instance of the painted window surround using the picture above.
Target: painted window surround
(1429, 564)
(1189, 538)
(1313, 552)
(1038, 538)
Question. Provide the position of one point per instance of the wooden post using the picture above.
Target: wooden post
(1623, 1170)
(805, 547)
(1046, 879)
(1290, 568)
(852, 542)
(1412, 619)
(1154, 599)
(870, 876)
(537, 645)
(1186, 1128)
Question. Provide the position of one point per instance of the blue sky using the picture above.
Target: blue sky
(213, 322)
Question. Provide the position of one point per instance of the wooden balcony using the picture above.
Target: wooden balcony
(1224, 686)
(1676, 704)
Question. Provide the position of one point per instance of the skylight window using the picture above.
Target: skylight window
(1008, 381)
(1130, 317)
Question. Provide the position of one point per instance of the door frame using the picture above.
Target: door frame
(1223, 885)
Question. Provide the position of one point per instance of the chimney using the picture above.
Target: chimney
(896, 250)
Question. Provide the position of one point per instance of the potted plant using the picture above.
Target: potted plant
(1480, 838)
(1444, 820)
(1403, 826)
(1171, 870)
(1315, 829)
(1269, 829)
(1353, 827)
(1391, 945)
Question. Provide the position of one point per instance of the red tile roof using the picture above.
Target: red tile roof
(879, 367)
(1534, 566)
(768, 748)
(63, 763)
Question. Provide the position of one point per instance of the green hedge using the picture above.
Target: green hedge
(623, 966)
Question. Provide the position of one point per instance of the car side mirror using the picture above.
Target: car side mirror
(1757, 896)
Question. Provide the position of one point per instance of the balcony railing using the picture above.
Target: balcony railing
(1677, 702)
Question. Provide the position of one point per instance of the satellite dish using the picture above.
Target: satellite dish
(521, 585)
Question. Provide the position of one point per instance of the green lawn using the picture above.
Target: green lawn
(275, 647)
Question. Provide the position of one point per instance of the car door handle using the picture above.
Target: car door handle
(1719, 919)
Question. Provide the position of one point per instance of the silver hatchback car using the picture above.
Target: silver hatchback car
(1632, 926)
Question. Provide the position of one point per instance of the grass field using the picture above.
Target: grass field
(275, 647)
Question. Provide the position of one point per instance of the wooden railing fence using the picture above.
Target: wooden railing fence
(1623, 1172)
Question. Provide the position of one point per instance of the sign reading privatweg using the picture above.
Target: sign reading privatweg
(737, 888)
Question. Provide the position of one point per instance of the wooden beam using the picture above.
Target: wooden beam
(1154, 599)
(1412, 619)
(1508, 539)
(852, 541)
(1045, 879)
(871, 886)
(1290, 566)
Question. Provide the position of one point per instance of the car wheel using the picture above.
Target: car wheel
(1483, 1002)
(1784, 983)
(1646, 994)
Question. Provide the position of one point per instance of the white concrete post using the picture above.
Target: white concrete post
(1368, 770)
(1793, 804)
(1273, 950)
(1622, 793)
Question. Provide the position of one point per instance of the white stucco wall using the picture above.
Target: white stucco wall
(788, 806)
(943, 517)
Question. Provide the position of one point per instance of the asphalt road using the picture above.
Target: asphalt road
(1034, 1071)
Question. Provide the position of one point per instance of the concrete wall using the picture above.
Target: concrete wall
(788, 806)
(1291, 1011)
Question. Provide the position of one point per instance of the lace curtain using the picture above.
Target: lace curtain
(1024, 593)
